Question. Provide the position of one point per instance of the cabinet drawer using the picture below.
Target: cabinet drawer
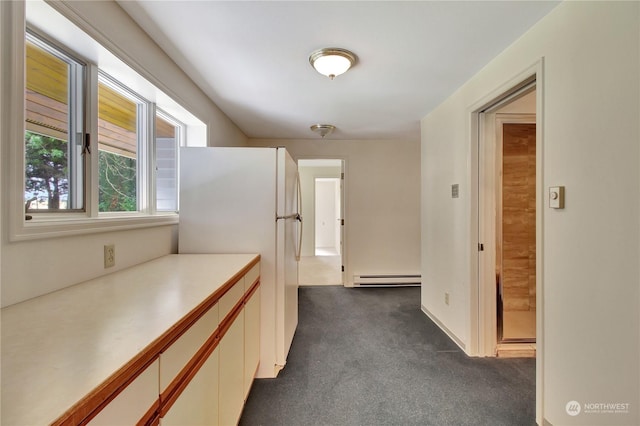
(198, 403)
(129, 407)
(251, 276)
(230, 298)
(178, 355)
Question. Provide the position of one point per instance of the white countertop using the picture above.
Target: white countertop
(58, 347)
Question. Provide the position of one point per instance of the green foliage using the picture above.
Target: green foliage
(117, 183)
(46, 172)
(46, 167)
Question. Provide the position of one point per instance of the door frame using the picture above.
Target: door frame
(482, 299)
(343, 209)
(336, 193)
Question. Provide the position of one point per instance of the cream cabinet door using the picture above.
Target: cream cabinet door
(178, 355)
(197, 405)
(198, 402)
(230, 299)
(133, 402)
(251, 276)
(232, 373)
(251, 340)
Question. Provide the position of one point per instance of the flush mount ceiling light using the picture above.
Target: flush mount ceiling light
(323, 129)
(332, 61)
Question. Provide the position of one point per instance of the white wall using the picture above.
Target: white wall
(308, 174)
(382, 191)
(326, 218)
(590, 250)
(32, 268)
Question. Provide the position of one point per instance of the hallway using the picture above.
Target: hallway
(321, 269)
(371, 357)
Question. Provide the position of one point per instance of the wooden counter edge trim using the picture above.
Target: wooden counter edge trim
(188, 372)
(152, 416)
(182, 380)
(88, 407)
(192, 317)
(91, 404)
(252, 289)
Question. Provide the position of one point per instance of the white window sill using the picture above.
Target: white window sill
(40, 228)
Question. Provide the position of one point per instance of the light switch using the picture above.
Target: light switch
(556, 197)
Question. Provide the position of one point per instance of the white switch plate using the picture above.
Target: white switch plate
(556, 197)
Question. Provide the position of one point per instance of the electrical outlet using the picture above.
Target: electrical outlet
(109, 255)
(446, 298)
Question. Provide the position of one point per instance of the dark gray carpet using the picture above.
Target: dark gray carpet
(371, 357)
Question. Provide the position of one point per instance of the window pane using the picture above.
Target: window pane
(118, 150)
(54, 134)
(167, 135)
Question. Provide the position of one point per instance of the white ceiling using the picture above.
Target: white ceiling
(251, 58)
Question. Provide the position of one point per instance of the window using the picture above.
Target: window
(169, 136)
(131, 140)
(54, 128)
(94, 139)
(121, 119)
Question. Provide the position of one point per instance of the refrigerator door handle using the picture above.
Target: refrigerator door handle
(295, 216)
(299, 217)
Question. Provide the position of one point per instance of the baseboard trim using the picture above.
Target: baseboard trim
(448, 332)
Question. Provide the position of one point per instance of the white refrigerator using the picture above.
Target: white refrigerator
(247, 200)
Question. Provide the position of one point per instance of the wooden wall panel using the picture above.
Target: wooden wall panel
(47, 112)
(518, 217)
(46, 74)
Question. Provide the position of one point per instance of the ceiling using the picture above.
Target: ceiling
(251, 58)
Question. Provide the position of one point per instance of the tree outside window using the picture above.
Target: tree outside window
(47, 181)
(118, 114)
(117, 182)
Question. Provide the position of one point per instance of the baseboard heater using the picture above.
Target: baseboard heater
(386, 280)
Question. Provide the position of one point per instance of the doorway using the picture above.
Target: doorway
(508, 204)
(322, 254)
(516, 228)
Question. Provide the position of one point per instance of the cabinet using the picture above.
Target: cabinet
(210, 386)
(189, 375)
(159, 343)
(130, 405)
(232, 372)
(197, 405)
(241, 337)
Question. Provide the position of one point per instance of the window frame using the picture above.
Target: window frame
(63, 53)
(181, 140)
(144, 145)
